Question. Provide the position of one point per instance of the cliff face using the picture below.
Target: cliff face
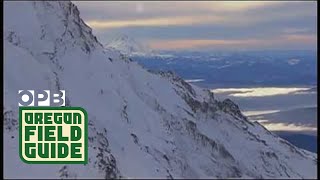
(141, 124)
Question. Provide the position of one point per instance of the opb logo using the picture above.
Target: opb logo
(41, 98)
(51, 135)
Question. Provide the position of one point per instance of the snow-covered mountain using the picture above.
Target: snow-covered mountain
(129, 46)
(141, 124)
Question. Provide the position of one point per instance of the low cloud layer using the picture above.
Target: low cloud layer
(261, 91)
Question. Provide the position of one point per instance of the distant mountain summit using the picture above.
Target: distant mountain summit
(129, 46)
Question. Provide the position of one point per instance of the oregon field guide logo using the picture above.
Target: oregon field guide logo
(51, 134)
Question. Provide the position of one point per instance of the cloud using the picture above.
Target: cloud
(296, 30)
(164, 21)
(193, 80)
(234, 43)
(255, 113)
(195, 43)
(181, 8)
(244, 5)
(258, 92)
(302, 38)
(285, 126)
(103, 15)
(227, 20)
(206, 24)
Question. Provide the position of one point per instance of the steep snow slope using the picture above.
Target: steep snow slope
(141, 124)
(129, 46)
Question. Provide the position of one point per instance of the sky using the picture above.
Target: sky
(206, 25)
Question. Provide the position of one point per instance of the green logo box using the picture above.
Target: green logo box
(53, 135)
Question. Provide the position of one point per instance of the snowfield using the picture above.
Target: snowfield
(141, 124)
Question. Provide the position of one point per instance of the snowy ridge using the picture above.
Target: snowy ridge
(141, 124)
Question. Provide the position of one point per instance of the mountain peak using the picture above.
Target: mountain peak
(124, 37)
(128, 45)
